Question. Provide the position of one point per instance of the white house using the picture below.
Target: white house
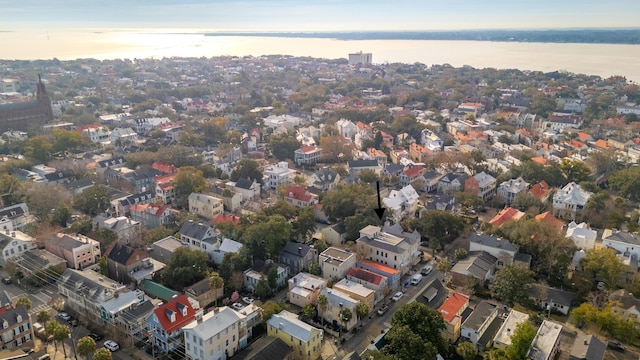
(336, 302)
(504, 334)
(431, 141)
(546, 343)
(205, 206)
(276, 175)
(623, 242)
(582, 235)
(307, 155)
(396, 251)
(570, 200)
(401, 203)
(335, 262)
(219, 334)
(346, 128)
(123, 136)
(474, 327)
(14, 244)
(508, 190)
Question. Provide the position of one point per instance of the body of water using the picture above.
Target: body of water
(593, 59)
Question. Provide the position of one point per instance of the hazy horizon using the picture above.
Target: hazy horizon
(317, 15)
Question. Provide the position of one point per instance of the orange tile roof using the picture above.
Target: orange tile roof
(453, 306)
(540, 190)
(378, 266)
(540, 160)
(505, 215)
(603, 144)
(548, 217)
(584, 136)
(577, 144)
(414, 171)
(223, 218)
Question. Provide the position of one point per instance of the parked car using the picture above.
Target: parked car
(397, 296)
(64, 316)
(95, 337)
(6, 280)
(616, 345)
(111, 345)
(237, 306)
(383, 309)
(427, 269)
(247, 300)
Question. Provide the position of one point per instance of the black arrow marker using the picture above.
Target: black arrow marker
(380, 210)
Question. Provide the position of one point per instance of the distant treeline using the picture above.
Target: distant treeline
(595, 36)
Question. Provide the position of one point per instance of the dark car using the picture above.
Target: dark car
(95, 336)
(6, 280)
(616, 345)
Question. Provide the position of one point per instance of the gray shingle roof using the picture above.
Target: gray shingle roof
(194, 230)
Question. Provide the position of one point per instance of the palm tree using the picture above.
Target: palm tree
(362, 310)
(43, 317)
(24, 302)
(323, 302)
(345, 315)
(51, 329)
(86, 345)
(216, 282)
(62, 332)
(102, 354)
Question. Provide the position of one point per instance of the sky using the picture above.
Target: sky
(317, 15)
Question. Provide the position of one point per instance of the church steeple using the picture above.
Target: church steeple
(43, 98)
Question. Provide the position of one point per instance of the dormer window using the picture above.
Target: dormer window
(18, 318)
(171, 315)
(5, 324)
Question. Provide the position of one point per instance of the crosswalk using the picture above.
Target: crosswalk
(41, 300)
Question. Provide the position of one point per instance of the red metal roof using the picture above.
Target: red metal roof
(180, 320)
(382, 267)
(298, 193)
(540, 190)
(365, 275)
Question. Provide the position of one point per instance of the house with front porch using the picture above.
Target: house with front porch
(336, 302)
(389, 249)
(167, 321)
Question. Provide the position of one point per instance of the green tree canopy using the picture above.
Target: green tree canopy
(102, 354)
(247, 168)
(441, 227)
(184, 268)
(422, 321)
(467, 350)
(521, 341)
(266, 239)
(38, 148)
(542, 105)
(627, 183)
(188, 180)
(284, 145)
(24, 302)
(604, 264)
(404, 344)
(66, 139)
(574, 170)
(511, 284)
(346, 200)
(86, 346)
(93, 201)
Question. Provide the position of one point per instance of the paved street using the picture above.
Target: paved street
(375, 324)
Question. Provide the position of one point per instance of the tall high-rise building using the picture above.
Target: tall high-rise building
(360, 58)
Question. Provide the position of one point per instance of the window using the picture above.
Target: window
(226, 343)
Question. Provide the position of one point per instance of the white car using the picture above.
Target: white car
(238, 306)
(247, 300)
(111, 345)
(64, 316)
(397, 296)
